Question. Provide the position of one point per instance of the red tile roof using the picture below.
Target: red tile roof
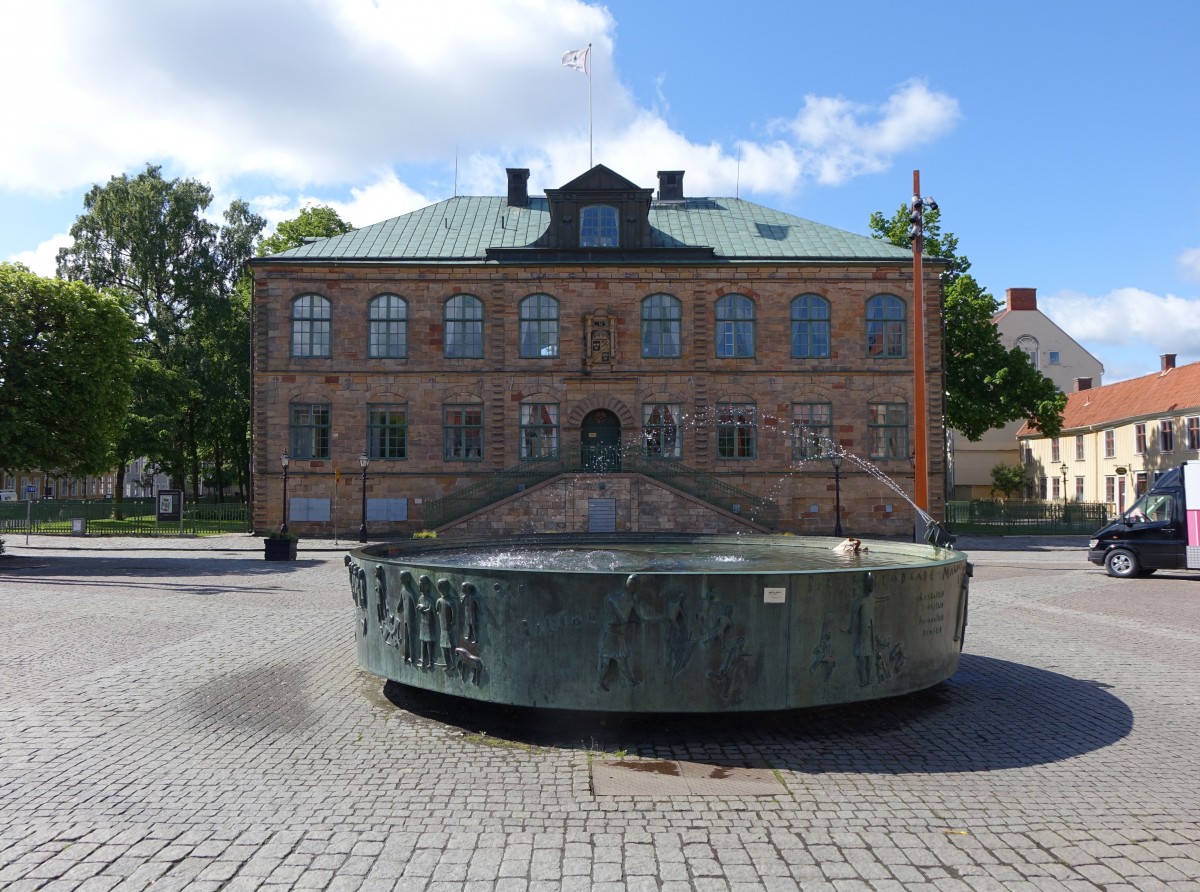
(1161, 393)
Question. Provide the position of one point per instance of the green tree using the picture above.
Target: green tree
(1008, 480)
(987, 384)
(320, 221)
(148, 238)
(66, 364)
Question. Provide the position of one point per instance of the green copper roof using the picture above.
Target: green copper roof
(461, 229)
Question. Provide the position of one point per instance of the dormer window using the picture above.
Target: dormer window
(598, 227)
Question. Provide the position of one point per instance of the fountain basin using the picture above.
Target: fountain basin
(665, 623)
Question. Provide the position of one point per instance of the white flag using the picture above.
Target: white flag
(577, 59)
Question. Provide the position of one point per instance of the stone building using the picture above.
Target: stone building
(595, 359)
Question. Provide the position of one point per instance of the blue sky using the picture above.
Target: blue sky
(1060, 139)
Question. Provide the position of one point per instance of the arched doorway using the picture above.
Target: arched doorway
(600, 442)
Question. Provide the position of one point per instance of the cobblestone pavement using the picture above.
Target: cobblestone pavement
(185, 715)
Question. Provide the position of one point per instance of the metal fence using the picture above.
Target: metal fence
(1001, 518)
(132, 517)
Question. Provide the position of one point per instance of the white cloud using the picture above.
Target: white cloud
(1189, 264)
(323, 95)
(1129, 317)
(43, 259)
(838, 139)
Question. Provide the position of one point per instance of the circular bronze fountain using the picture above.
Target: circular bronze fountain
(666, 623)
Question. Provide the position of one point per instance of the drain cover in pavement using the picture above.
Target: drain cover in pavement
(664, 777)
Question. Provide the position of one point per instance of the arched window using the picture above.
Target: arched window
(599, 227)
(1028, 345)
(539, 326)
(388, 334)
(886, 332)
(735, 327)
(810, 326)
(310, 326)
(464, 327)
(661, 315)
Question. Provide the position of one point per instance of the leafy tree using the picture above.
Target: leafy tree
(66, 363)
(1008, 480)
(149, 239)
(987, 384)
(320, 221)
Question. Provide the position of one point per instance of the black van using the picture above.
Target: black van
(1161, 531)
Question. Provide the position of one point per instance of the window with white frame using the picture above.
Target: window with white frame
(1166, 435)
(1139, 439)
(1079, 489)
(1055, 450)
(1110, 443)
(1028, 345)
(1193, 432)
(1079, 449)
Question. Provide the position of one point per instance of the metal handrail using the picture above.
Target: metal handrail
(604, 459)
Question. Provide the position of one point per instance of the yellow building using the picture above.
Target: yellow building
(1117, 439)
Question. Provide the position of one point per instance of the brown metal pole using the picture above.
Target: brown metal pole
(920, 396)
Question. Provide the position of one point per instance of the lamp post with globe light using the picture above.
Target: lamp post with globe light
(363, 461)
(284, 459)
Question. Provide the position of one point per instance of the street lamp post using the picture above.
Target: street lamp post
(916, 232)
(283, 460)
(836, 458)
(1064, 470)
(363, 461)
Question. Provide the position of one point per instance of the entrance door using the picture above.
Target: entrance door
(600, 442)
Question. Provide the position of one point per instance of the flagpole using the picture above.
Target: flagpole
(589, 75)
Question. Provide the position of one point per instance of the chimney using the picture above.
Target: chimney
(1021, 298)
(1083, 384)
(1168, 362)
(670, 185)
(518, 187)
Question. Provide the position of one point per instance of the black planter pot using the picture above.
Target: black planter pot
(280, 549)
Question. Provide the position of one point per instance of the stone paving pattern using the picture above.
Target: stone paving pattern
(180, 714)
